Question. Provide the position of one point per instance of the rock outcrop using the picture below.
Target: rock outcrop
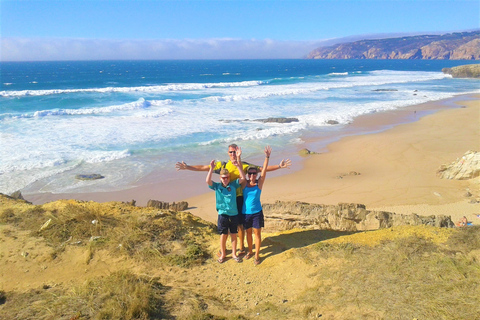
(452, 46)
(466, 71)
(464, 168)
(179, 206)
(278, 120)
(284, 215)
(94, 176)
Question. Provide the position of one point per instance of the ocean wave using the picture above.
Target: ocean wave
(338, 74)
(136, 105)
(271, 130)
(148, 89)
(377, 78)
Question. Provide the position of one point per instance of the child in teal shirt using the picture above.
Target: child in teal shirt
(226, 205)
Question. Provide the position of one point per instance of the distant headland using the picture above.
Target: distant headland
(451, 46)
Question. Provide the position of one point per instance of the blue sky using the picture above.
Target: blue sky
(182, 29)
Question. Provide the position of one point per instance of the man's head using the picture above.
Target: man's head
(232, 151)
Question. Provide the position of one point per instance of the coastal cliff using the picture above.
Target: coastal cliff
(452, 46)
(466, 71)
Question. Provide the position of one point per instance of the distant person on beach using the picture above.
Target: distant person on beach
(463, 222)
(234, 174)
(226, 205)
(252, 207)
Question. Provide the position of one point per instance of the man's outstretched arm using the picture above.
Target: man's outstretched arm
(283, 164)
(183, 166)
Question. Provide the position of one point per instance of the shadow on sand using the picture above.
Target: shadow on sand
(272, 245)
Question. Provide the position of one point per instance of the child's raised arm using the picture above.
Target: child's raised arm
(210, 172)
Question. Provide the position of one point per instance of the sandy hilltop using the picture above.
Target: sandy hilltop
(71, 259)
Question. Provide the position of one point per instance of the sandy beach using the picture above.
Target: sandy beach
(395, 154)
(396, 169)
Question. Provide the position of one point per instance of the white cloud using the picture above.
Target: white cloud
(24, 49)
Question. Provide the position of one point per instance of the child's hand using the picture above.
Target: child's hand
(212, 164)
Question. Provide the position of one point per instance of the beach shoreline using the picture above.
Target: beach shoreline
(291, 184)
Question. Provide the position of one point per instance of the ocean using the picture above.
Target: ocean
(131, 120)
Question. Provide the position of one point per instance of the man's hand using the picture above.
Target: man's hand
(285, 164)
(181, 166)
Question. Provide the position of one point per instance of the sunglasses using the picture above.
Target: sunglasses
(224, 177)
(232, 151)
(252, 173)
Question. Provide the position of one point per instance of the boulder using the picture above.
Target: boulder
(93, 176)
(17, 195)
(285, 215)
(464, 168)
(332, 122)
(305, 152)
(179, 206)
(278, 120)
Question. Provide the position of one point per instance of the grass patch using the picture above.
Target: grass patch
(404, 278)
(145, 234)
(121, 295)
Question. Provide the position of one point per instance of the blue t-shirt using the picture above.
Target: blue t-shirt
(251, 200)
(226, 198)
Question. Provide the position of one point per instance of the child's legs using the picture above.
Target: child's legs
(222, 226)
(233, 227)
(241, 230)
(223, 245)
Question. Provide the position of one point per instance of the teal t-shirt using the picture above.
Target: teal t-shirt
(226, 197)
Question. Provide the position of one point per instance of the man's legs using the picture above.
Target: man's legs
(241, 230)
(233, 236)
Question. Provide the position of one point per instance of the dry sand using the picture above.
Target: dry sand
(397, 167)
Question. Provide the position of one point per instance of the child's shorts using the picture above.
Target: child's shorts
(226, 223)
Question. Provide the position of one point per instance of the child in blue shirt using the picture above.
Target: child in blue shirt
(226, 205)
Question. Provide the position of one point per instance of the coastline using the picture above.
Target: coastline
(397, 167)
(395, 175)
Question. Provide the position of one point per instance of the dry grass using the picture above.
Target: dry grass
(121, 295)
(148, 235)
(404, 278)
(397, 273)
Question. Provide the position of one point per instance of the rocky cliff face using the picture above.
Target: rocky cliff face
(464, 168)
(283, 215)
(453, 46)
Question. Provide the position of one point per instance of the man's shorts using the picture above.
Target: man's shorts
(240, 209)
(226, 223)
(256, 220)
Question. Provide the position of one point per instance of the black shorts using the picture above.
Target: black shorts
(256, 220)
(226, 223)
(240, 209)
